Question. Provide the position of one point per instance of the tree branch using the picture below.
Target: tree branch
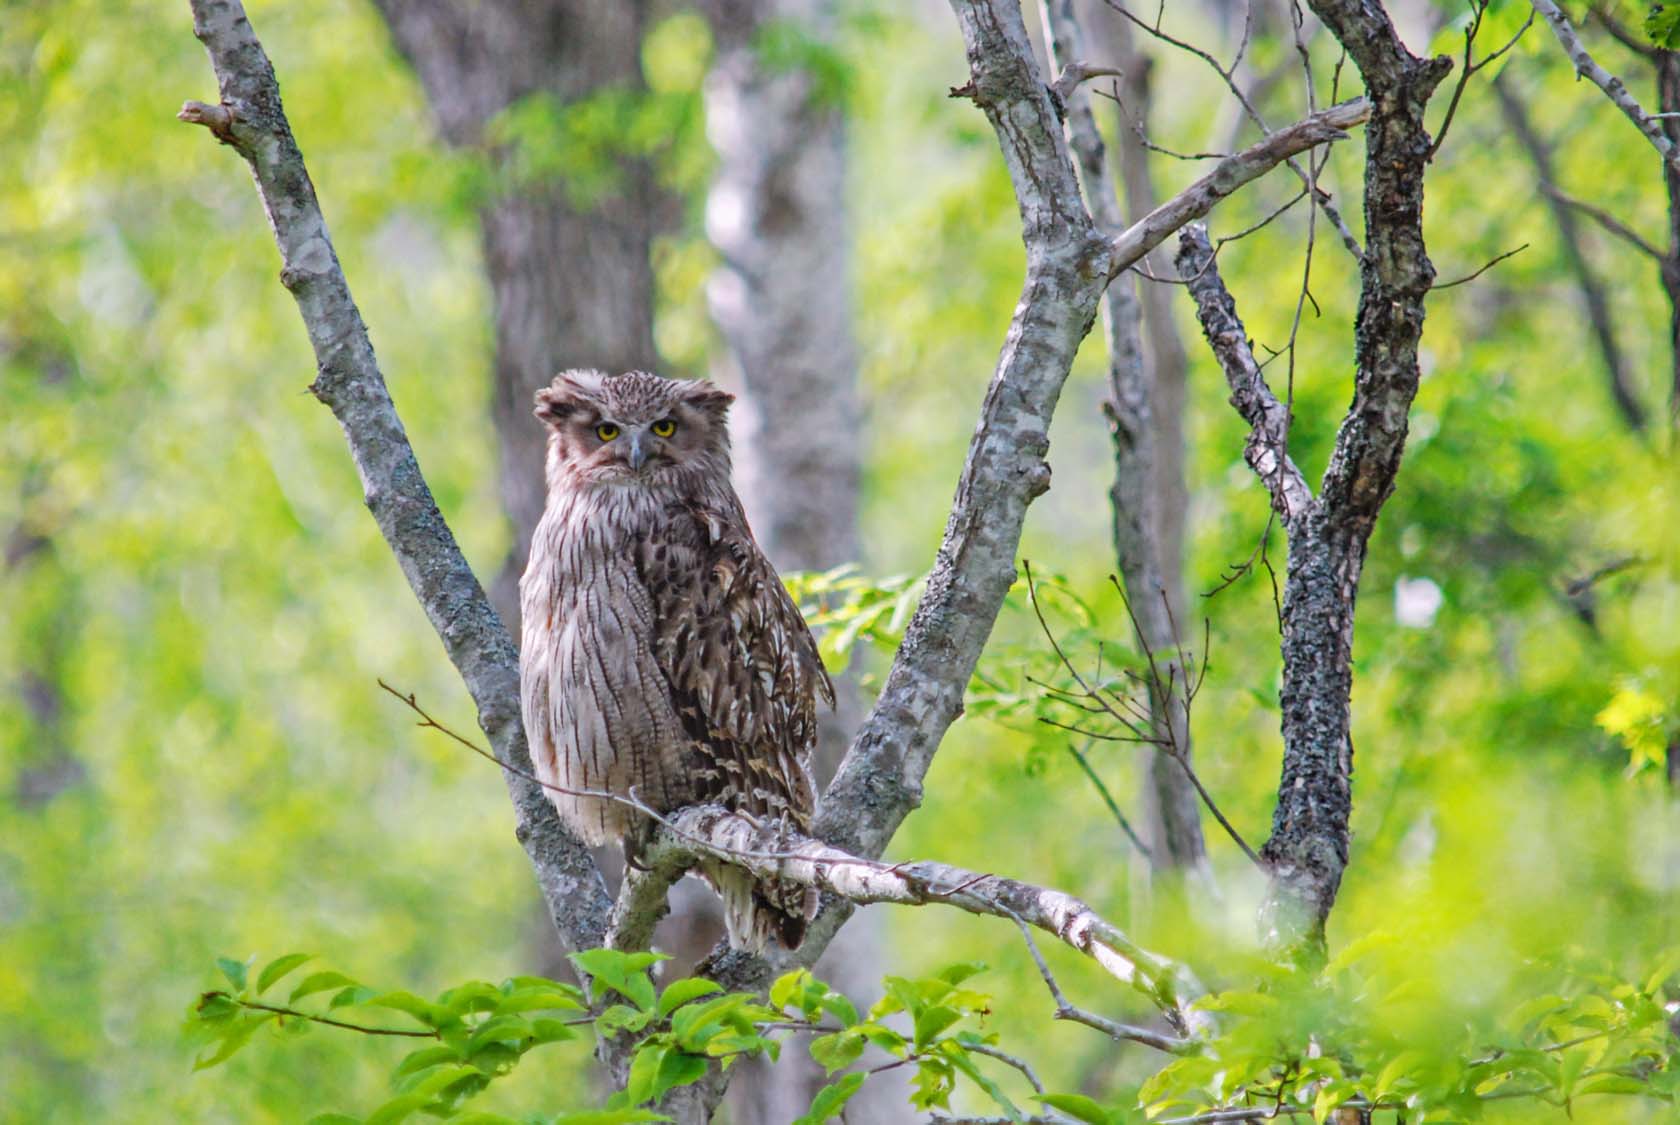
(251, 119)
(1308, 848)
(1266, 450)
(1587, 67)
(1233, 172)
(1111, 1028)
(772, 853)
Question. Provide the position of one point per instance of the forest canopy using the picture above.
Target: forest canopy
(225, 721)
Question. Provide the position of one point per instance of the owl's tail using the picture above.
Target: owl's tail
(757, 910)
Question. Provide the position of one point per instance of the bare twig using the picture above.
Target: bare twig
(1470, 68)
(1138, 725)
(1478, 273)
(1604, 219)
(1108, 799)
(1226, 75)
(297, 1014)
(1074, 73)
(1199, 198)
(1005, 1057)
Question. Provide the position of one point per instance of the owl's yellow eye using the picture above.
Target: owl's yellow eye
(665, 427)
(606, 431)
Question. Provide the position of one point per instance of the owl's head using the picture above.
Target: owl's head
(634, 428)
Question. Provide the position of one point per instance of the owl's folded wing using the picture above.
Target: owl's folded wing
(743, 668)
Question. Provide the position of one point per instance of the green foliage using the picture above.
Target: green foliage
(845, 608)
(194, 758)
(481, 1031)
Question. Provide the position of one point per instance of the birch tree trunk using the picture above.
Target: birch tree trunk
(782, 302)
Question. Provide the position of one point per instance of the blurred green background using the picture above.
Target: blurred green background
(195, 759)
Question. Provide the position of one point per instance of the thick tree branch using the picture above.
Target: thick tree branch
(1268, 441)
(250, 118)
(1587, 67)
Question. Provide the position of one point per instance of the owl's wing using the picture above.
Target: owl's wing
(743, 668)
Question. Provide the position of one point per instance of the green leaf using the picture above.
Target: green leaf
(1610, 1084)
(955, 974)
(842, 1009)
(1666, 968)
(1078, 1106)
(424, 1058)
(960, 1059)
(354, 994)
(473, 996)
(320, 982)
(550, 1031)
(1662, 25)
(621, 1017)
(398, 1109)
(407, 1002)
(837, 1051)
(237, 1035)
(545, 999)
(234, 971)
(609, 1117)
(278, 968)
(930, 1022)
(334, 1119)
(682, 991)
(831, 1099)
(644, 1070)
(788, 986)
(677, 1068)
(623, 972)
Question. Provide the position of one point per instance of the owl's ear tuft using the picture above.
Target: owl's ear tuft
(565, 396)
(707, 396)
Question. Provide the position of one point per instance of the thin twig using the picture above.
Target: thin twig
(1108, 799)
(1470, 68)
(295, 1013)
(1473, 276)
(1606, 220)
(1114, 1030)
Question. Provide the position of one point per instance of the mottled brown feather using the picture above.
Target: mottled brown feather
(661, 651)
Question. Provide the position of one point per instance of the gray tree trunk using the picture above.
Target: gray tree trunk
(782, 302)
(1147, 496)
(571, 285)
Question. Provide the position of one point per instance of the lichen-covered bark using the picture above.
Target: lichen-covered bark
(1308, 848)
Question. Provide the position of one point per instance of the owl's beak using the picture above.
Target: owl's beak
(638, 455)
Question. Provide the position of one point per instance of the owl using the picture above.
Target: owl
(661, 657)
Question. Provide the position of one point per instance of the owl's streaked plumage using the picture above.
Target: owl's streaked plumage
(660, 649)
